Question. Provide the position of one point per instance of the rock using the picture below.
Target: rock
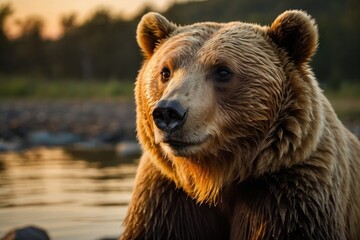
(11, 145)
(88, 145)
(128, 149)
(46, 138)
(111, 136)
(27, 233)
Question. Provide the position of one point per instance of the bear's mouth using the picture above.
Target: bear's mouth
(179, 145)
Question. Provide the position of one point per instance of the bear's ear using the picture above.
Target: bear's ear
(296, 32)
(152, 28)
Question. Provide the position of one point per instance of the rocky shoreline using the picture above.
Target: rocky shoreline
(83, 124)
(87, 124)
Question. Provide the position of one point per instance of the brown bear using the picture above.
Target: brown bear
(238, 140)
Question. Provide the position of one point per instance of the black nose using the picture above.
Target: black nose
(169, 115)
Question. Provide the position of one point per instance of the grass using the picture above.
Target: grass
(346, 90)
(25, 88)
(345, 100)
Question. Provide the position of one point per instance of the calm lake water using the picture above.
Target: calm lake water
(71, 194)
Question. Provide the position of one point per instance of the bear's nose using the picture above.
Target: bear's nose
(169, 115)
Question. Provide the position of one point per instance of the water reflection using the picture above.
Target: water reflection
(73, 194)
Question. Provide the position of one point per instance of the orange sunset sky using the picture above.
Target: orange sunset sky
(52, 10)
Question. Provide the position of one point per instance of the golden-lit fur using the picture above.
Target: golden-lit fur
(266, 156)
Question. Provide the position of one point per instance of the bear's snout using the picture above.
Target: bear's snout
(169, 115)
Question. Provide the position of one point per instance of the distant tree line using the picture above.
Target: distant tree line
(104, 45)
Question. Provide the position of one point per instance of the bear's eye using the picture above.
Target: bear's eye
(223, 74)
(165, 74)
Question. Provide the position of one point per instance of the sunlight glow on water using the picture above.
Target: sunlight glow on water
(71, 194)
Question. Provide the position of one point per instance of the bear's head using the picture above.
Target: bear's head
(219, 103)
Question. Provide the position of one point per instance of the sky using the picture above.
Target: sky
(52, 10)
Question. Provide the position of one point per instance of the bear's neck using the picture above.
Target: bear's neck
(297, 130)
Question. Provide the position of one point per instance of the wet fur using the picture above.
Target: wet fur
(278, 164)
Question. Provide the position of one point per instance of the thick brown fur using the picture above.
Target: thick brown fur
(264, 155)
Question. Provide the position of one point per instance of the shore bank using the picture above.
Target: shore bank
(29, 123)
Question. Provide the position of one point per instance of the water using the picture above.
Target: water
(72, 194)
